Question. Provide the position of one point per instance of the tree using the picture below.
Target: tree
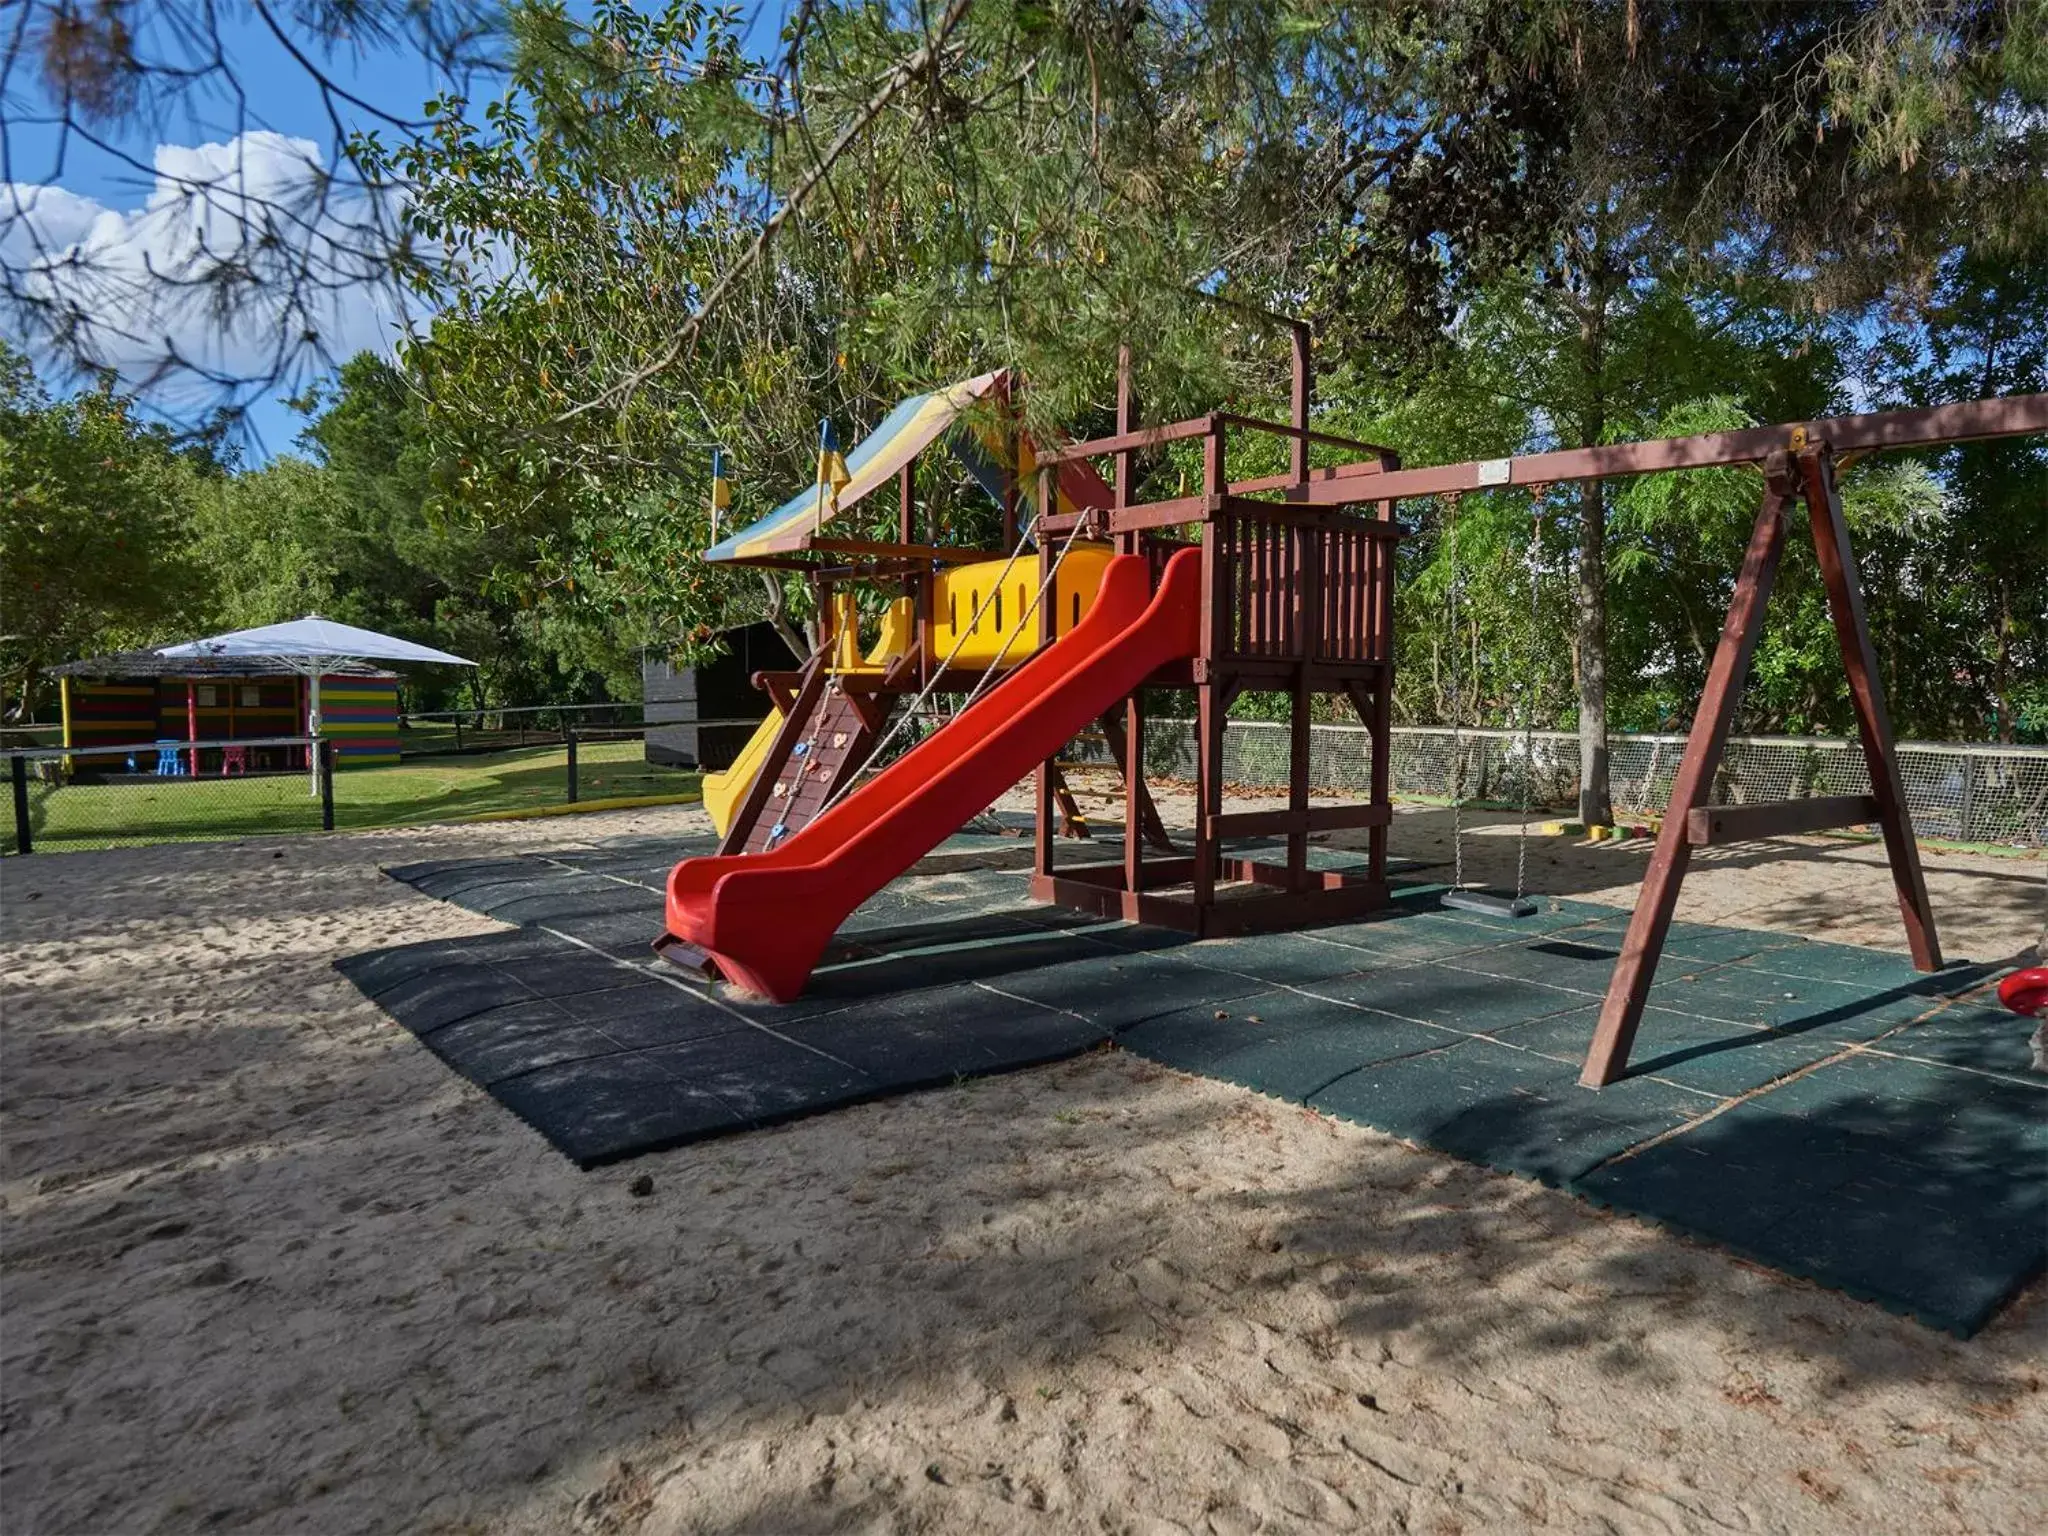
(357, 531)
(256, 246)
(1834, 152)
(1969, 583)
(94, 526)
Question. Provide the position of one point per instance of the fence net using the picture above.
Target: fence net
(119, 797)
(1956, 792)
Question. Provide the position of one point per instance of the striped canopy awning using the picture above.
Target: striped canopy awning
(903, 434)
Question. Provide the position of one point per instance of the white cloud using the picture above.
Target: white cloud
(246, 261)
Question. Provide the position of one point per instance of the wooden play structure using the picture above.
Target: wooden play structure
(1799, 463)
(962, 618)
(1298, 600)
(1283, 583)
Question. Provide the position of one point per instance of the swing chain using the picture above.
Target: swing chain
(1449, 502)
(1529, 685)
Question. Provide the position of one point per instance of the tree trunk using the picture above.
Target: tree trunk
(2001, 684)
(1596, 805)
(778, 619)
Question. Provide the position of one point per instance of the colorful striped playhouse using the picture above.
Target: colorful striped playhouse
(138, 698)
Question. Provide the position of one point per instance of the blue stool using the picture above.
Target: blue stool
(170, 762)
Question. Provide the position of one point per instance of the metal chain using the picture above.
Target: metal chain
(1529, 679)
(1450, 506)
(989, 674)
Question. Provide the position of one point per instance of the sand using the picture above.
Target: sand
(269, 1267)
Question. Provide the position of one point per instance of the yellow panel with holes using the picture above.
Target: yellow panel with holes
(983, 615)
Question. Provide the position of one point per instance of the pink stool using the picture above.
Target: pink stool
(234, 760)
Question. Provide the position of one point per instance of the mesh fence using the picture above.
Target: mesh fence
(1957, 792)
(611, 764)
(119, 797)
(458, 732)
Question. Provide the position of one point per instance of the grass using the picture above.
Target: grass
(452, 789)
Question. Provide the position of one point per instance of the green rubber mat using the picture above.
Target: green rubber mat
(1823, 1109)
(1819, 1108)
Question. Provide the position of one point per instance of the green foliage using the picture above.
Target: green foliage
(1516, 225)
(92, 512)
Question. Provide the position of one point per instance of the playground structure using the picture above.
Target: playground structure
(1274, 583)
(961, 619)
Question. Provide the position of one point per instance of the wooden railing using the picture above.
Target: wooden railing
(1291, 583)
(1303, 588)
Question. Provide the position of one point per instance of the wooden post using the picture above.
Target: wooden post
(1210, 701)
(1047, 771)
(1629, 988)
(1136, 802)
(1866, 693)
(1297, 779)
(1007, 426)
(1306, 544)
(1381, 599)
(1125, 460)
(1304, 393)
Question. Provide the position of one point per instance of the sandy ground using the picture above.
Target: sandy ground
(269, 1267)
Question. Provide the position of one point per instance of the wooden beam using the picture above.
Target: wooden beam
(950, 553)
(1628, 989)
(1130, 440)
(1288, 481)
(1300, 434)
(2017, 416)
(1709, 825)
(1316, 818)
(1164, 514)
(1293, 909)
(1158, 872)
(1296, 516)
(1866, 694)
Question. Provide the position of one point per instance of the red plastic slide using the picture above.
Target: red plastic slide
(764, 919)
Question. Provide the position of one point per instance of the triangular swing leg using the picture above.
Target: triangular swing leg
(1487, 904)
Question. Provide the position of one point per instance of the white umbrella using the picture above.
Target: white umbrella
(313, 646)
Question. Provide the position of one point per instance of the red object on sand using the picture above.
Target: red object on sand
(2026, 991)
(764, 919)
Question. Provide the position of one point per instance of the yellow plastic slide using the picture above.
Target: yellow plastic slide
(982, 616)
(724, 791)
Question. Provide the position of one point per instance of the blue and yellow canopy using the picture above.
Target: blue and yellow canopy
(903, 434)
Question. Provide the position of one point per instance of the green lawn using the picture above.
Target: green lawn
(423, 790)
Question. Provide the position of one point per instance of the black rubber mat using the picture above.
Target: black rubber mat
(1822, 1109)
(571, 1022)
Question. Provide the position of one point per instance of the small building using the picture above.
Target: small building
(138, 698)
(723, 692)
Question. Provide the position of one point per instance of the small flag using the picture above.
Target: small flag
(832, 472)
(721, 490)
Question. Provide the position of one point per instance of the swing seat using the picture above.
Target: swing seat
(1489, 904)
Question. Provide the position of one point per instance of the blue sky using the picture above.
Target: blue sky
(75, 191)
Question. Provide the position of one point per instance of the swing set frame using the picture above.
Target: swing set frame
(1799, 461)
